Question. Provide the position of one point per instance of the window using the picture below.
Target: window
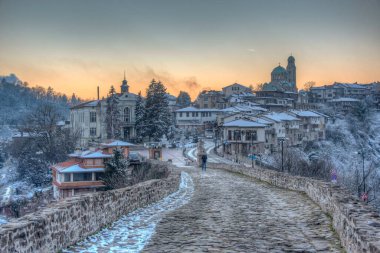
(180, 114)
(99, 175)
(251, 136)
(92, 116)
(229, 134)
(66, 177)
(127, 114)
(187, 114)
(237, 135)
(92, 131)
(82, 176)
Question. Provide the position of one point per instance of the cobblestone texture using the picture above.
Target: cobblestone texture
(233, 213)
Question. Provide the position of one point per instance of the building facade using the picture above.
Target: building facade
(83, 172)
(89, 118)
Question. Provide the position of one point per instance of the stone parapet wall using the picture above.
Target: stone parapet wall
(71, 220)
(357, 224)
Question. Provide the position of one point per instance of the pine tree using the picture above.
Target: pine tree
(183, 99)
(116, 171)
(139, 123)
(113, 122)
(157, 118)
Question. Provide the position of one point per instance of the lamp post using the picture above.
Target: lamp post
(282, 139)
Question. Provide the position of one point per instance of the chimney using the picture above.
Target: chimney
(98, 92)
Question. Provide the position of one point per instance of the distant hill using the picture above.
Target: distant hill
(17, 99)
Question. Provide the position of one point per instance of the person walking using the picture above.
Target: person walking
(204, 161)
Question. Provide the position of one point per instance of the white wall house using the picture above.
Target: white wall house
(192, 119)
(89, 118)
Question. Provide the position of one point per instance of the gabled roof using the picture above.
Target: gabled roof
(235, 84)
(96, 154)
(86, 104)
(76, 168)
(243, 123)
(117, 143)
(193, 109)
(278, 117)
(302, 113)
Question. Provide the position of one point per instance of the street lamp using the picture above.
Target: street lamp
(282, 139)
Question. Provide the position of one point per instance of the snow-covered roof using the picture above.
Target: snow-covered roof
(86, 104)
(243, 108)
(344, 100)
(77, 169)
(282, 116)
(117, 143)
(302, 113)
(243, 123)
(193, 109)
(96, 154)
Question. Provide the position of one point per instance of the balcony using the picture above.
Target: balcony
(78, 184)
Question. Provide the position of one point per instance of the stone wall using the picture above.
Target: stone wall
(357, 224)
(73, 219)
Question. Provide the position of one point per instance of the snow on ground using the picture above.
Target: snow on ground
(132, 232)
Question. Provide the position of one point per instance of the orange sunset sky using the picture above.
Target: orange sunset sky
(75, 46)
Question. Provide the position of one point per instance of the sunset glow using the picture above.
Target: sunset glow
(74, 46)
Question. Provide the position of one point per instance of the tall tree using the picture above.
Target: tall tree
(157, 118)
(112, 120)
(139, 123)
(183, 99)
(116, 171)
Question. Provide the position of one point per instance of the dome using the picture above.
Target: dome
(278, 70)
(291, 59)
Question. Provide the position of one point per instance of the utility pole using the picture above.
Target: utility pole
(282, 155)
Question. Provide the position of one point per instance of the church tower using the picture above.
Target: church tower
(291, 69)
(124, 85)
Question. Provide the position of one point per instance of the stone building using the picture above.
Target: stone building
(210, 99)
(235, 89)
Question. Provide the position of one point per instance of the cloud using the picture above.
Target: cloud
(252, 50)
(192, 83)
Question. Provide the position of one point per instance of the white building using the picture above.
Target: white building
(89, 118)
(191, 119)
(243, 137)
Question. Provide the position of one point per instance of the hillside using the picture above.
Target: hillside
(18, 99)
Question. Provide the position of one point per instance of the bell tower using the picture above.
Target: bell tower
(291, 69)
(124, 85)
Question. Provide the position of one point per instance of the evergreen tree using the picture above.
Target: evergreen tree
(157, 118)
(116, 171)
(183, 99)
(113, 122)
(139, 123)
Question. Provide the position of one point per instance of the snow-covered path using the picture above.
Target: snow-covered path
(133, 231)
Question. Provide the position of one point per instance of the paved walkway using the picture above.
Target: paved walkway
(232, 213)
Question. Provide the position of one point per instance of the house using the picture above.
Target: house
(326, 93)
(285, 126)
(194, 120)
(312, 126)
(235, 89)
(243, 137)
(211, 99)
(82, 173)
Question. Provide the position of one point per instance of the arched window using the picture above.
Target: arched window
(127, 114)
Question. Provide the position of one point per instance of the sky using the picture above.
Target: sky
(76, 45)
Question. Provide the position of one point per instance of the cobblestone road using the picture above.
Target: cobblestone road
(232, 213)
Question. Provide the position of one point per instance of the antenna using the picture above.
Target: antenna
(98, 92)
